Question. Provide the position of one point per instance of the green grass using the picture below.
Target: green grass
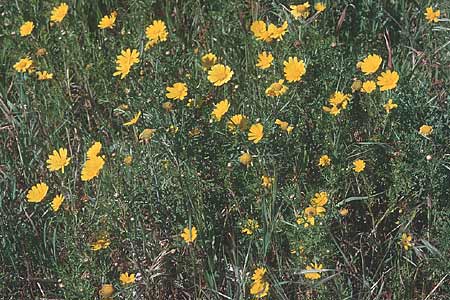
(178, 180)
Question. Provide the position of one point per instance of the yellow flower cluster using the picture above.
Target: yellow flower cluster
(259, 287)
(315, 209)
(268, 33)
(338, 102)
(94, 162)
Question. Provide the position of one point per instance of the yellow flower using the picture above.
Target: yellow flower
(338, 101)
(92, 168)
(313, 275)
(250, 227)
(106, 291)
(189, 235)
(406, 241)
(23, 65)
(369, 86)
(128, 160)
(277, 33)
(59, 12)
(370, 64)
(102, 243)
(432, 16)
(178, 91)
(284, 126)
(58, 160)
(387, 80)
(390, 106)
(94, 150)
(259, 29)
(208, 60)
(237, 121)
(108, 21)
(264, 60)
(324, 161)
(294, 69)
(124, 61)
(276, 89)
(319, 199)
(147, 134)
(266, 181)
(425, 130)
(44, 75)
(126, 278)
(26, 28)
(300, 11)
(220, 74)
(57, 201)
(157, 31)
(259, 273)
(245, 159)
(37, 192)
(259, 289)
(320, 7)
(359, 165)
(256, 133)
(220, 109)
(133, 120)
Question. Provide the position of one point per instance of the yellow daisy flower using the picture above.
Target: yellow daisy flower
(58, 160)
(189, 235)
(26, 28)
(220, 109)
(265, 60)
(294, 69)
(59, 12)
(178, 91)
(37, 193)
(133, 120)
(256, 133)
(220, 74)
(56, 202)
(388, 80)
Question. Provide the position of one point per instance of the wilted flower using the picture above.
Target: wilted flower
(266, 181)
(237, 121)
(406, 241)
(245, 159)
(276, 89)
(146, 134)
(208, 60)
(390, 106)
(284, 126)
(250, 227)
